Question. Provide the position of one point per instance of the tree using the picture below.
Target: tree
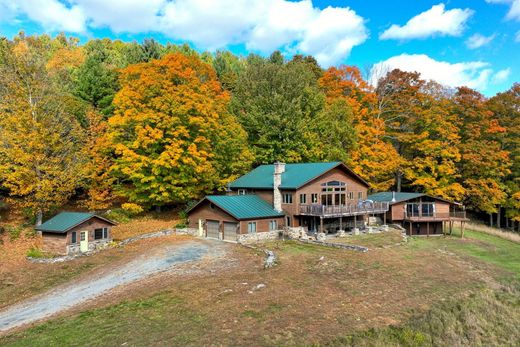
(484, 164)
(371, 157)
(41, 156)
(171, 133)
(278, 104)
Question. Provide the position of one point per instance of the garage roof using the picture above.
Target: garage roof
(65, 221)
(295, 175)
(243, 206)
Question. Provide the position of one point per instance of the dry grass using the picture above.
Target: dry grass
(511, 236)
(145, 224)
(384, 239)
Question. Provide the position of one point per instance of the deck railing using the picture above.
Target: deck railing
(434, 215)
(344, 210)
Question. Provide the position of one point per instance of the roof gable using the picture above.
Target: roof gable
(65, 221)
(242, 206)
(294, 177)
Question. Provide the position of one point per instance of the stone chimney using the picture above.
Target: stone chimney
(279, 169)
(393, 196)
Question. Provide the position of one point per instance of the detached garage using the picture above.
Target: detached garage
(227, 217)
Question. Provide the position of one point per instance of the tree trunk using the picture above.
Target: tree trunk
(498, 216)
(491, 219)
(39, 218)
(507, 223)
(398, 179)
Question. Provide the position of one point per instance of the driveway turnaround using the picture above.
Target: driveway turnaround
(166, 258)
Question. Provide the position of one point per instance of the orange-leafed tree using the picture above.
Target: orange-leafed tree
(373, 158)
(172, 135)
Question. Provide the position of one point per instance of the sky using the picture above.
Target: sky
(475, 43)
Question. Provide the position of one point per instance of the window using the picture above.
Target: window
(303, 198)
(74, 237)
(82, 236)
(273, 225)
(98, 234)
(287, 198)
(360, 195)
(251, 227)
(242, 192)
(105, 233)
(288, 221)
(314, 198)
(351, 195)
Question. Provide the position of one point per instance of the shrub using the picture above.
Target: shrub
(119, 215)
(35, 253)
(14, 232)
(132, 209)
(181, 226)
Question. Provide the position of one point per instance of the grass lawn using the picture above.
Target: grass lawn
(430, 291)
(389, 238)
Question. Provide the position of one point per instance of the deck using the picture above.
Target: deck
(335, 211)
(436, 217)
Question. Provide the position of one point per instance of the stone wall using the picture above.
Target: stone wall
(93, 246)
(258, 237)
(337, 245)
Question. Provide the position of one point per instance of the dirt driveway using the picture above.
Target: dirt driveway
(164, 258)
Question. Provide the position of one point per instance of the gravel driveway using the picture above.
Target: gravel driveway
(164, 258)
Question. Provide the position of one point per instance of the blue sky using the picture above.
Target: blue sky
(474, 43)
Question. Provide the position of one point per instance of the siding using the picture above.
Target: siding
(90, 225)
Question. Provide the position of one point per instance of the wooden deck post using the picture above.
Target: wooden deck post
(410, 227)
(427, 229)
(321, 224)
(340, 223)
(384, 218)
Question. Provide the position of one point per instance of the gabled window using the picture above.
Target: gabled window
(287, 198)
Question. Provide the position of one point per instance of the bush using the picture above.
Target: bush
(132, 209)
(119, 215)
(14, 232)
(35, 253)
(181, 226)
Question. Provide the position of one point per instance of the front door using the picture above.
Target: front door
(83, 241)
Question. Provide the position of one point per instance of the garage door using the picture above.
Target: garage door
(212, 229)
(230, 231)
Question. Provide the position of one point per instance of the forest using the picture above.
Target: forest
(147, 125)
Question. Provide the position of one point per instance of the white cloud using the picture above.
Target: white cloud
(435, 21)
(51, 14)
(517, 36)
(473, 74)
(501, 76)
(477, 40)
(514, 10)
(261, 25)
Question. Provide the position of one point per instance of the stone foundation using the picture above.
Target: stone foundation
(258, 237)
(93, 246)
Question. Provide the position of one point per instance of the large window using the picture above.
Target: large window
(273, 225)
(101, 233)
(303, 198)
(251, 227)
(287, 198)
(333, 193)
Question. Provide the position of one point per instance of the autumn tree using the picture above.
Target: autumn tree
(370, 155)
(484, 163)
(171, 132)
(41, 155)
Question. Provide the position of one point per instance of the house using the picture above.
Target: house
(320, 197)
(421, 214)
(227, 216)
(75, 232)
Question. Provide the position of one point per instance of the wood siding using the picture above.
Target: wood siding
(397, 211)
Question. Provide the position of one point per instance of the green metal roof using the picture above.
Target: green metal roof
(64, 221)
(295, 175)
(244, 206)
(399, 196)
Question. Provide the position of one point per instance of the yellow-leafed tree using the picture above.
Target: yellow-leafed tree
(171, 133)
(41, 142)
